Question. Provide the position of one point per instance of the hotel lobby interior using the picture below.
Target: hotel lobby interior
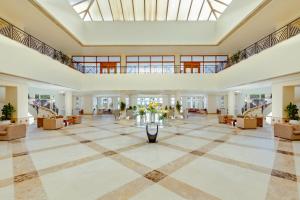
(149, 99)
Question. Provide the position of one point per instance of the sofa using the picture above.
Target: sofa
(225, 119)
(287, 131)
(12, 131)
(53, 123)
(75, 119)
(246, 123)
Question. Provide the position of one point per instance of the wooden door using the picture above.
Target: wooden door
(108, 67)
(192, 67)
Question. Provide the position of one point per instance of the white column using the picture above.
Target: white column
(123, 63)
(68, 103)
(18, 97)
(239, 103)
(88, 104)
(211, 104)
(231, 103)
(281, 97)
(166, 101)
(132, 100)
(201, 103)
(169, 100)
(184, 103)
(177, 63)
(115, 103)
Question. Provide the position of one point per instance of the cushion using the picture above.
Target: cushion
(296, 128)
(296, 132)
(3, 132)
(4, 127)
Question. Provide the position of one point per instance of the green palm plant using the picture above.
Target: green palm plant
(7, 111)
(122, 106)
(178, 106)
(292, 111)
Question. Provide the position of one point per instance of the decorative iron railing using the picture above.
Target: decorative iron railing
(274, 38)
(13, 32)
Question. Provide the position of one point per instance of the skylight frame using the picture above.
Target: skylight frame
(150, 10)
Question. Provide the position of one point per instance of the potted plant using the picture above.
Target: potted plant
(134, 108)
(122, 109)
(7, 112)
(163, 115)
(178, 106)
(235, 57)
(142, 112)
(152, 108)
(122, 106)
(292, 112)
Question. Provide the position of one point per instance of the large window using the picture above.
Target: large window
(150, 64)
(97, 64)
(195, 102)
(144, 101)
(202, 63)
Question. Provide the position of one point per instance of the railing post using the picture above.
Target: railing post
(29, 41)
(255, 48)
(11, 31)
(43, 48)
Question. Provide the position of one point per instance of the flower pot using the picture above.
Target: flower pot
(294, 122)
(152, 117)
(5, 122)
(152, 136)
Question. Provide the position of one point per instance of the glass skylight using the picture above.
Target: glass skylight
(149, 10)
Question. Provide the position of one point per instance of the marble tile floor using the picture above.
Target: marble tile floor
(194, 158)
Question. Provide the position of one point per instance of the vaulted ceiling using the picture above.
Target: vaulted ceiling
(149, 10)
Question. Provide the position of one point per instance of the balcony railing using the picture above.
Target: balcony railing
(13, 32)
(274, 38)
(157, 69)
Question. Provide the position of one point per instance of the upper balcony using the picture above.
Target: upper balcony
(200, 64)
(157, 64)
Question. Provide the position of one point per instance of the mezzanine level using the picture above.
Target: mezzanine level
(213, 64)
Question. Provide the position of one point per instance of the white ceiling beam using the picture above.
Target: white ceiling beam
(212, 9)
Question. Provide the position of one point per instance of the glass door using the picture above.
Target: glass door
(192, 67)
(108, 68)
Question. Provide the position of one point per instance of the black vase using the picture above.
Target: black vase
(152, 137)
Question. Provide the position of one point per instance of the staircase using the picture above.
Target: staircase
(257, 111)
(40, 111)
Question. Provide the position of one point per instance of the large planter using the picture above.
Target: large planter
(294, 122)
(5, 122)
(152, 117)
(152, 136)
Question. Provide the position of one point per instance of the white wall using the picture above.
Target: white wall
(19, 60)
(149, 82)
(280, 60)
(212, 104)
(297, 96)
(32, 65)
(2, 97)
